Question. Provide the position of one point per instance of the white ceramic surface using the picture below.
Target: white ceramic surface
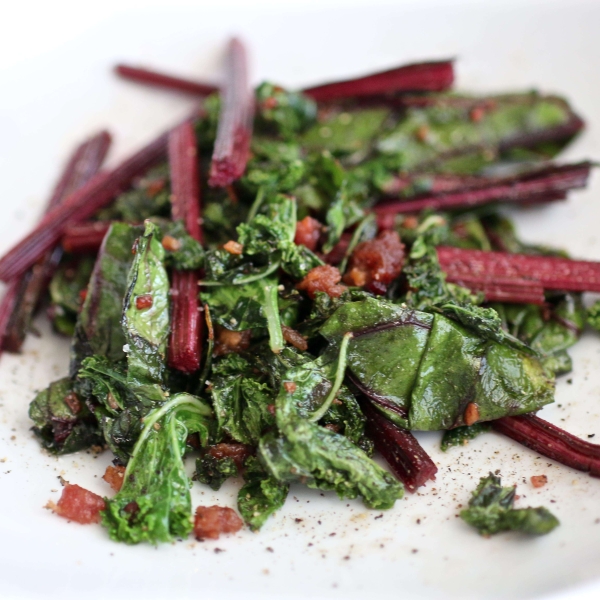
(56, 91)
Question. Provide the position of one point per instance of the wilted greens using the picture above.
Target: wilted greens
(315, 311)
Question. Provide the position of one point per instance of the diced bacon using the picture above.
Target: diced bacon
(114, 476)
(211, 521)
(376, 263)
(308, 232)
(78, 504)
(538, 481)
(322, 279)
(231, 341)
(239, 452)
(295, 338)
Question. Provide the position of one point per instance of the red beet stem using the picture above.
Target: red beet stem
(162, 80)
(477, 267)
(545, 184)
(84, 163)
(186, 325)
(185, 178)
(85, 238)
(407, 459)
(7, 307)
(551, 441)
(78, 206)
(232, 146)
(419, 77)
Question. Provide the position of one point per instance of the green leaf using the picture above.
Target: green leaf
(154, 503)
(445, 127)
(261, 495)
(460, 436)
(62, 422)
(431, 367)
(491, 511)
(282, 112)
(317, 456)
(147, 328)
(70, 279)
(189, 255)
(240, 400)
(214, 471)
(98, 329)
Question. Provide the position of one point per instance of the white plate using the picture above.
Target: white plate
(56, 91)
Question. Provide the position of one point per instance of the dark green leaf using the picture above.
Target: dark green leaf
(460, 436)
(490, 511)
(61, 420)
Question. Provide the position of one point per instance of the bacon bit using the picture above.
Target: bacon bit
(73, 402)
(476, 114)
(333, 427)
(322, 279)
(144, 301)
(308, 232)
(231, 341)
(211, 521)
(155, 186)
(293, 337)
(376, 263)
(114, 476)
(78, 504)
(471, 414)
(271, 408)
(233, 247)
(290, 386)
(132, 508)
(170, 244)
(538, 481)
(422, 133)
(112, 402)
(83, 295)
(239, 452)
(410, 222)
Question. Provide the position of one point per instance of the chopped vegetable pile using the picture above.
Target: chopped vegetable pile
(287, 282)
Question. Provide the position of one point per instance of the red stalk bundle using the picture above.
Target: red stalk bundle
(84, 238)
(7, 307)
(419, 77)
(407, 459)
(162, 80)
(550, 183)
(79, 206)
(186, 324)
(551, 441)
(505, 272)
(84, 163)
(232, 145)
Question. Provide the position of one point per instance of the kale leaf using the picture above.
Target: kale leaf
(460, 436)
(154, 503)
(261, 495)
(491, 511)
(62, 422)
